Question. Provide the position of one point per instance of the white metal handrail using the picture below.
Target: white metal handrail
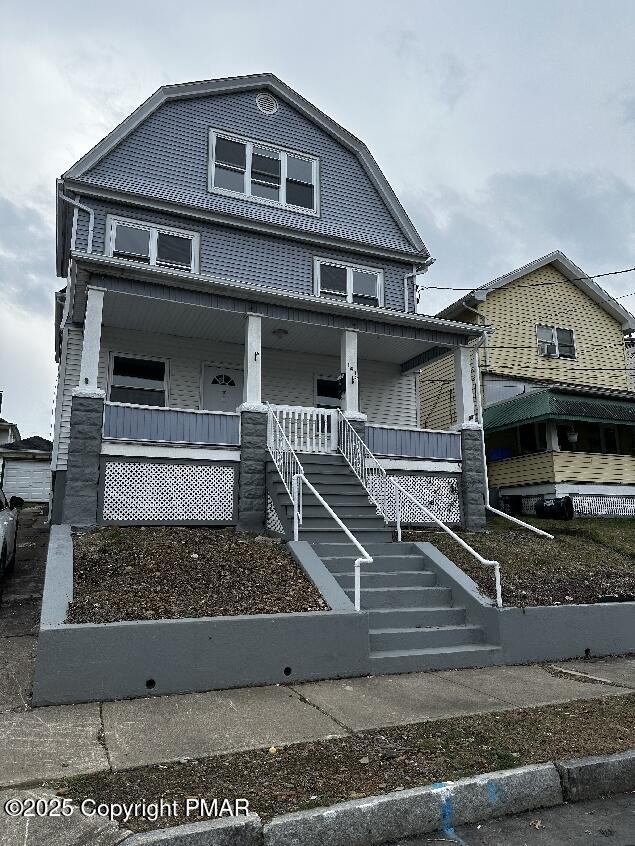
(364, 465)
(485, 561)
(367, 468)
(300, 479)
(282, 453)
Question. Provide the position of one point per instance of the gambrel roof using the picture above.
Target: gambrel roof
(271, 83)
(568, 269)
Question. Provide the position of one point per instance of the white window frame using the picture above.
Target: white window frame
(554, 341)
(166, 376)
(154, 229)
(250, 143)
(318, 261)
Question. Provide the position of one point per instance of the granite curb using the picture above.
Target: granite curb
(378, 820)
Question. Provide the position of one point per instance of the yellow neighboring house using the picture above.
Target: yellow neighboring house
(557, 388)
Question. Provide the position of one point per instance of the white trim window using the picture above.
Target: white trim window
(349, 283)
(555, 342)
(240, 167)
(157, 246)
(138, 380)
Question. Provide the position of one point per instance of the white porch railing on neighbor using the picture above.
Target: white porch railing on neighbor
(292, 474)
(308, 429)
(369, 471)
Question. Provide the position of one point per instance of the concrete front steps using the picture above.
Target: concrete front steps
(414, 622)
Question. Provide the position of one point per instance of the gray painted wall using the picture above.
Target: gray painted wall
(167, 158)
(163, 425)
(249, 257)
(413, 444)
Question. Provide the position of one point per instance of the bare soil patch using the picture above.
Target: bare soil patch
(588, 561)
(139, 573)
(321, 773)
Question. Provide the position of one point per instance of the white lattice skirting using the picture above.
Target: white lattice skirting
(273, 521)
(591, 505)
(154, 492)
(439, 494)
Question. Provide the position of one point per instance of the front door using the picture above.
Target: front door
(222, 388)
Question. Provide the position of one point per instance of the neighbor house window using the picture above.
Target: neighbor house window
(137, 381)
(555, 342)
(262, 173)
(156, 246)
(349, 283)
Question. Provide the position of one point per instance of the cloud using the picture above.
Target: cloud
(518, 217)
(27, 259)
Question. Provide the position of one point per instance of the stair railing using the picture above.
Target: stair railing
(368, 470)
(300, 479)
(286, 461)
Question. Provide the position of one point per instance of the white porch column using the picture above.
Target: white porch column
(252, 383)
(465, 411)
(92, 342)
(348, 365)
(553, 445)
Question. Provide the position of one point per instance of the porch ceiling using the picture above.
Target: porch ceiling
(145, 314)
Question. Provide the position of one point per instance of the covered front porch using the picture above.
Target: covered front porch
(179, 377)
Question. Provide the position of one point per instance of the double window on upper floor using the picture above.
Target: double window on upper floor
(265, 174)
(555, 342)
(157, 246)
(348, 283)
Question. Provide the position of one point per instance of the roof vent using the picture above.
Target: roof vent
(267, 103)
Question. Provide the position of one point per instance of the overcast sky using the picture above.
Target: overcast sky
(506, 129)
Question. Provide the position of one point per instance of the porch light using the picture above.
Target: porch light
(572, 435)
(280, 333)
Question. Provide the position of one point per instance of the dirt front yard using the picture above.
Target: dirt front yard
(590, 560)
(138, 573)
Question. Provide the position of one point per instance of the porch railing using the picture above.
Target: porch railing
(156, 424)
(413, 443)
(308, 429)
(291, 472)
(370, 473)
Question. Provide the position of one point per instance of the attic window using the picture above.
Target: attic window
(263, 173)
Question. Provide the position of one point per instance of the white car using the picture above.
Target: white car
(8, 532)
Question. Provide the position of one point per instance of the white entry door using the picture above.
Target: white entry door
(222, 388)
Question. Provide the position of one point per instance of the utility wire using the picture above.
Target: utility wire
(490, 287)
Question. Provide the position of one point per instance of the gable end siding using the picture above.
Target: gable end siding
(166, 158)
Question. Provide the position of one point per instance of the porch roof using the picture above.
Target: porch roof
(557, 405)
(157, 301)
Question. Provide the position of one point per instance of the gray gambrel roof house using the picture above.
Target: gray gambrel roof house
(150, 118)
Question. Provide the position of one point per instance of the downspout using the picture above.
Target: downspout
(483, 324)
(91, 217)
(416, 271)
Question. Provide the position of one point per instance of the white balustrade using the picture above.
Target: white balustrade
(308, 429)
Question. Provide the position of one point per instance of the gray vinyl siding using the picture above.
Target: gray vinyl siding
(386, 396)
(166, 158)
(248, 257)
(70, 376)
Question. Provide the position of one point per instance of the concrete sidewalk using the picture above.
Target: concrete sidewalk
(66, 740)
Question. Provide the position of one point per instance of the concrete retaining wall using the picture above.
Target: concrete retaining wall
(84, 662)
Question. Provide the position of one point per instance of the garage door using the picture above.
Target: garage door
(29, 479)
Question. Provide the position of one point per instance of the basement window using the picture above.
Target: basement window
(156, 246)
(137, 381)
(348, 283)
(262, 173)
(555, 342)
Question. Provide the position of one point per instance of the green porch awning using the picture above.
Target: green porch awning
(554, 405)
